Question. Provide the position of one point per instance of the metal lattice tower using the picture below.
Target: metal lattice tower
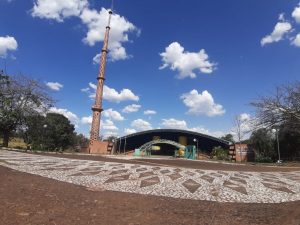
(97, 107)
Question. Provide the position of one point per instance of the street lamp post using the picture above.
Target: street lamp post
(196, 140)
(124, 145)
(44, 132)
(120, 145)
(277, 140)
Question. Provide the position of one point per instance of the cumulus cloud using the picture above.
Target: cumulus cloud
(96, 23)
(202, 104)
(128, 131)
(58, 9)
(182, 124)
(296, 13)
(296, 40)
(108, 125)
(55, 86)
(96, 59)
(112, 115)
(203, 130)
(7, 44)
(141, 125)
(186, 62)
(150, 112)
(86, 120)
(70, 115)
(131, 108)
(107, 134)
(279, 32)
(174, 124)
(111, 94)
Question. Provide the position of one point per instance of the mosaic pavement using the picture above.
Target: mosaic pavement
(221, 186)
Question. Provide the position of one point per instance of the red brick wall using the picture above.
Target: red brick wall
(99, 147)
(243, 153)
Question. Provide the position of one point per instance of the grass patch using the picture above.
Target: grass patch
(15, 143)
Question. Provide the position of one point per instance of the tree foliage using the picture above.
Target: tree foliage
(281, 111)
(280, 108)
(20, 97)
(219, 153)
(289, 141)
(228, 137)
(80, 141)
(52, 132)
(262, 141)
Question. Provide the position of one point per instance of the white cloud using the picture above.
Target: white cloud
(85, 89)
(174, 124)
(125, 94)
(95, 21)
(181, 124)
(296, 13)
(120, 27)
(296, 40)
(86, 120)
(55, 86)
(71, 116)
(131, 108)
(141, 125)
(112, 115)
(202, 104)
(203, 130)
(186, 62)
(108, 125)
(150, 112)
(111, 94)
(280, 30)
(93, 86)
(7, 44)
(245, 117)
(128, 131)
(245, 126)
(58, 9)
(96, 59)
(107, 134)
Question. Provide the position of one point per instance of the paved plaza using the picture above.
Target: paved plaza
(174, 182)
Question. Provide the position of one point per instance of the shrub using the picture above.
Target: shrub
(263, 159)
(219, 153)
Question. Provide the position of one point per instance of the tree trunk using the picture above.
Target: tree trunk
(5, 138)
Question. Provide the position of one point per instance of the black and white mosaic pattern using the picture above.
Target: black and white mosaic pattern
(221, 186)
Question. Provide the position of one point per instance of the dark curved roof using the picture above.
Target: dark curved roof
(188, 132)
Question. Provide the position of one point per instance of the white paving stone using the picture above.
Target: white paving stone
(221, 186)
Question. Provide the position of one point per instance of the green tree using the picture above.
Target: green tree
(281, 110)
(219, 153)
(228, 137)
(262, 141)
(35, 132)
(20, 97)
(80, 141)
(52, 132)
(289, 142)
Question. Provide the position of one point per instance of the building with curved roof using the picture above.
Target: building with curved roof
(203, 142)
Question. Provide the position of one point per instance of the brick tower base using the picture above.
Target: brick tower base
(98, 147)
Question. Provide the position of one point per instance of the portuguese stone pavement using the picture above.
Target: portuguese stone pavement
(221, 186)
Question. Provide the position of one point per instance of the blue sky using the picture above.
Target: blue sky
(173, 64)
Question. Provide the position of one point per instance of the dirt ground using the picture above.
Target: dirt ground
(31, 199)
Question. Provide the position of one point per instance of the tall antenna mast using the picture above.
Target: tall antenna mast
(95, 144)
